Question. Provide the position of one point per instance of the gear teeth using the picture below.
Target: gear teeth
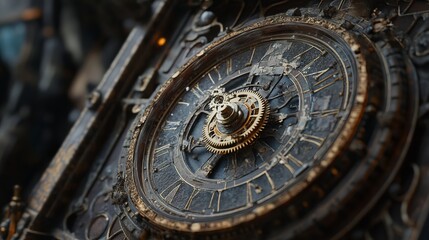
(249, 132)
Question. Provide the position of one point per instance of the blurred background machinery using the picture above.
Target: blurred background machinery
(52, 54)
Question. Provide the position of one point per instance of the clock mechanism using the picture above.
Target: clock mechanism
(236, 119)
(269, 129)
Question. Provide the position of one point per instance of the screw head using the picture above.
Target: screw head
(94, 100)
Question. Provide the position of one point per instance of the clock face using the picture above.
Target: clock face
(246, 128)
(245, 125)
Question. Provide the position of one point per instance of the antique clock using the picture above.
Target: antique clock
(251, 120)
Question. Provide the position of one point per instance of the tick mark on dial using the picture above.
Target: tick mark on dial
(184, 103)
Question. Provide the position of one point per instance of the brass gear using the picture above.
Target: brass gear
(255, 117)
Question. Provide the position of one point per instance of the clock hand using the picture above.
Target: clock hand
(207, 168)
(288, 97)
(191, 143)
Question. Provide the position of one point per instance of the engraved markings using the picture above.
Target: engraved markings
(314, 60)
(172, 193)
(318, 74)
(318, 141)
(189, 202)
(162, 150)
(163, 166)
(218, 73)
(334, 75)
(211, 78)
(290, 162)
(171, 125)
(302, 53)
(249, 63)
(229, 66)
(270, 180)
(196, 90)
(184, 103)
(325, 86)
(212, 199)
(325, 113)
(249, 198)
(218, 200)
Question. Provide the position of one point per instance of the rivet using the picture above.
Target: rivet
(206, 18)
(94, 100)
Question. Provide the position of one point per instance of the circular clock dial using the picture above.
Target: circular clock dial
(243, 124)
(286, 99)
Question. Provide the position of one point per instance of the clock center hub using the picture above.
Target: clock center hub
(230, 117)
(236, 120)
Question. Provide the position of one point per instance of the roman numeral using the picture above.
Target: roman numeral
(270, 180)
(318, 141)
(172, 194)
(212, 199)
(163, 166)
(211, 78)
(288, 160)
(218, 200)
(162, 150)
(218, 74)
(196, 90)
(191, 198)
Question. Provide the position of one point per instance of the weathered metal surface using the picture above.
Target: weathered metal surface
(74, 155)
(99, 205)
